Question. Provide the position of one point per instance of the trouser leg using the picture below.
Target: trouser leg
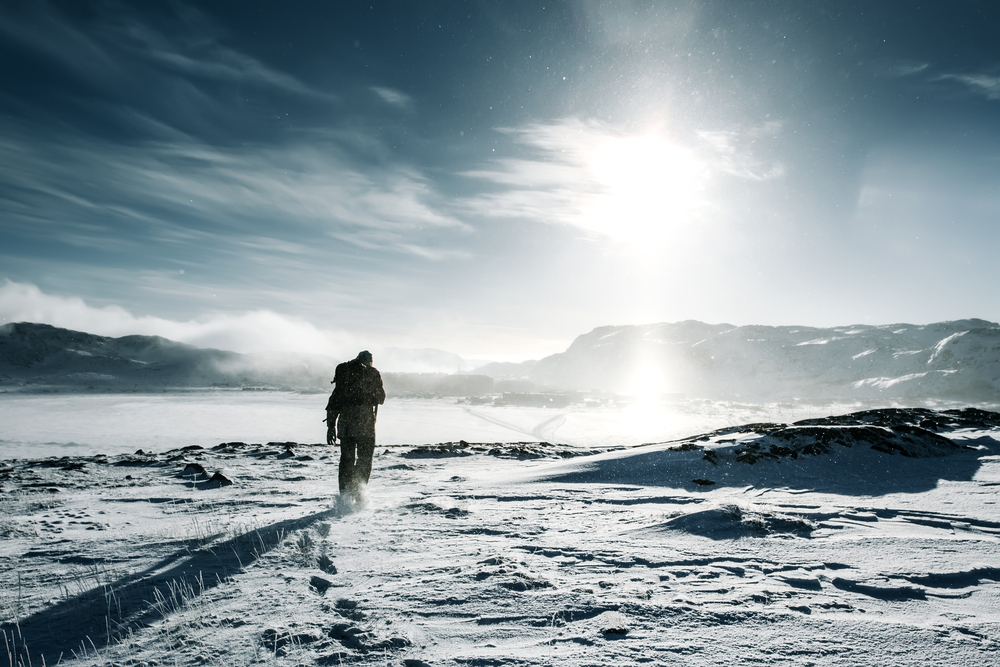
(346, 473)
(363, 468)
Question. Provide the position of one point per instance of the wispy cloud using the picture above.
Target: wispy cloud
(43, 29)
(393, 97)
(127, 76)
(250, 331)
(178, 191)
(986, 84)
(982, 84)
(906, 68)
(205, 58)
(110, 50)
(733, 152)
(588, 175)
(554, 185)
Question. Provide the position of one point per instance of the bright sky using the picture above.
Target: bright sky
(494, 178)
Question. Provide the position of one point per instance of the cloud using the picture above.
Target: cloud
(114, 44)
(251, 331)
(983, 84)
(258, 331)
(393, 97)
(585, 174)
(734, 155)
(42, 29)
(191, 192)
(226, 64)
(906, 68)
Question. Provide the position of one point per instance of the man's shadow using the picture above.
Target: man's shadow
(104, 614)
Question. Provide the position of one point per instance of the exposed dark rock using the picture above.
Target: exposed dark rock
(911, 432)
(193, 470)
(324, 563)
(446, 449)
(220, 479)
(230, 446)
(350, 636)
(277, 640)
(512, 450)
(320, 584)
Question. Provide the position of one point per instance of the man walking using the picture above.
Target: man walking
(350, 416)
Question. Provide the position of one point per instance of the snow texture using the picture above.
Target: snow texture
(866, 539)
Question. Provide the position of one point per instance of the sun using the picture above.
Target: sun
(648, 189)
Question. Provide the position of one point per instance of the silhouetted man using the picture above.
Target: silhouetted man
(350, 416)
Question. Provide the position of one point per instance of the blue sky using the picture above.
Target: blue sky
(494, 178)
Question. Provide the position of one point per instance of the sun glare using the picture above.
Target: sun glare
(648, 381)
(650, 189)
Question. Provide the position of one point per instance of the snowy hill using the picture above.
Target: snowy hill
(957, 360)
(42, 355)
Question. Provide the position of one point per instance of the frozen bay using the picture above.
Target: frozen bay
(72, 424)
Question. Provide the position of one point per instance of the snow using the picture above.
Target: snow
(84, 424)
(818, 341)
(944, 341)
(781, 363)
(492, 554)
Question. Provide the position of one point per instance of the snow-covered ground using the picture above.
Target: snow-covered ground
(761, 545)
(82, 424)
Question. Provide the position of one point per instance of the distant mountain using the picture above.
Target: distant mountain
(44, 358)
(39, 354)
(957, 360)
(949, 360)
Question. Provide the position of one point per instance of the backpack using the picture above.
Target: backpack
(356, 384)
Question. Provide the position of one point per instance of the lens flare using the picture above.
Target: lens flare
(651, 189)
(648, 382)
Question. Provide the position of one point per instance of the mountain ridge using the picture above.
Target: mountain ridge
(33, 353)
(41, 357)
(955, 360)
